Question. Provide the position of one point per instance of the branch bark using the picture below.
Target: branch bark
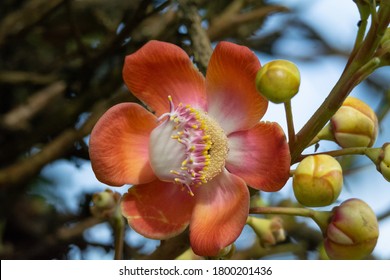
(200, 41)
(24, 170)
(31, 13)
(19, 118)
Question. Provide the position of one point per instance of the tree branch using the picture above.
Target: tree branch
(232, 18)
(200, 41)
(171, 248)
(19, 118)
(31, 13)
(24, 170)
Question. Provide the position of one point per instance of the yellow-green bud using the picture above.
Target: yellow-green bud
(322, 253)
(317, 181)
(385, 41)
(269, 231)
(381, 158)
(226, 253)
(278, 81)
(353, 125)
(384, 161)
(105, 204)
(352, 232)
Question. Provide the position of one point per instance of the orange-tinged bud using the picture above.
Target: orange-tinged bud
(317, 181)
(278, 81)
(353, 125)
(352, 232)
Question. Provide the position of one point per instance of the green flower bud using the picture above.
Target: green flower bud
(385, 41)
(278, 81)
(269, 231)
(353, 125)
(322, 253)
(226, 253)
(105, 204)
(352, 232)
(381, 158)
(317, 181)
(384, 161)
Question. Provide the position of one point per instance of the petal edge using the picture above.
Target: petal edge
(231, 89)
(157, 210)
(260, 156)
(220, 213)
(159, 69)
(118, 145)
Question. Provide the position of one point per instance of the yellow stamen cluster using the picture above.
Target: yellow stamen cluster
(216, 147)
(205, 144)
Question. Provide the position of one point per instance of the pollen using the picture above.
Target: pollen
(205, 146)
(216, 148)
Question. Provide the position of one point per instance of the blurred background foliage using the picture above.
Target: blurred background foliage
(60, 70)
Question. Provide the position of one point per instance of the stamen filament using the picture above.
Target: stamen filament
(204, 141)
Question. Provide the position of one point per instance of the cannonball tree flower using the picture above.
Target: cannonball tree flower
(190, 161)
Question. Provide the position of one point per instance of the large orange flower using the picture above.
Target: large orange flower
(190, 161)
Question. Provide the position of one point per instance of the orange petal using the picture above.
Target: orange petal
(157, 210)
(231, 91)
(260, 156)
(219, 215)
(160, 69)
(119, 145)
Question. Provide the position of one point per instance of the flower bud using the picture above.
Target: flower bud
(105, 204)
(278, 81)
(317, 181)
(385, 41)
(352, 232)
(226, 253)
(384, 161)
(269, 231)
(353, 125)
(321, 252)
(381, 158)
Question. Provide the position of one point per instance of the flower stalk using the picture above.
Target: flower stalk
(106, 206)
(290, 123)
(343, 152)
(321, 218)
(118, 225)
(361, 63)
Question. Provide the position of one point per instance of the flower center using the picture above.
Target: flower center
(188, 148)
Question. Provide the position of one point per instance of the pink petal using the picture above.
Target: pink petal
(160, 69)
(231, 91)
(119, 145)
(219, 215)
(260, 156)
(157, 210)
